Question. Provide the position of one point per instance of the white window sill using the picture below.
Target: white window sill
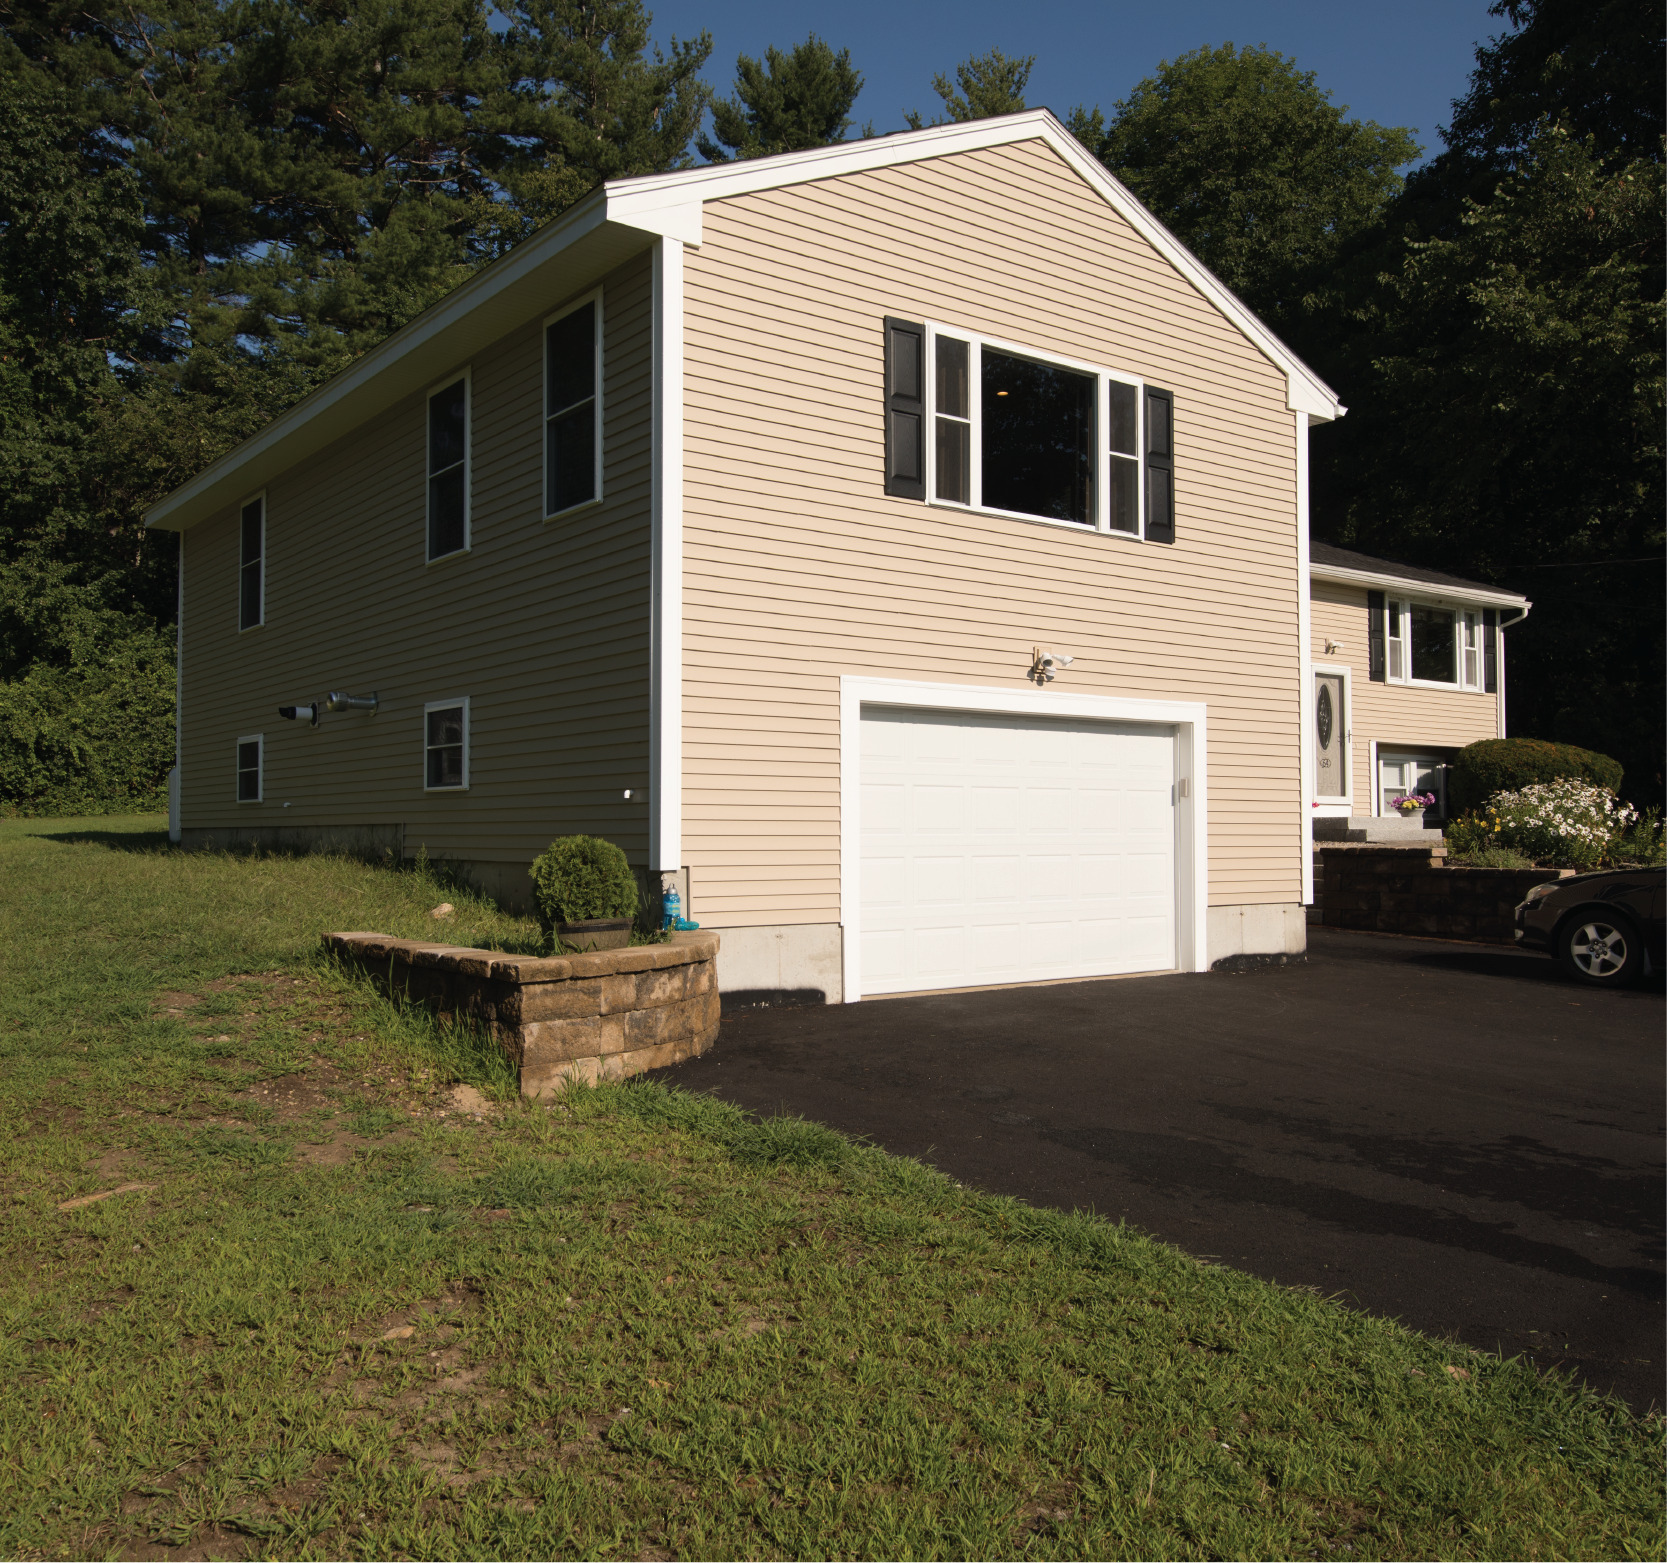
(1086, 527)
(456, 553)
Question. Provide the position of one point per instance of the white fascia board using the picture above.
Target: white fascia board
(1305, 391)
(590, 239)
(1409, 586)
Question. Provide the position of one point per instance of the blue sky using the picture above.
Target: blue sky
(1400, 64)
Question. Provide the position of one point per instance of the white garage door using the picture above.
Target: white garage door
(1010, 849)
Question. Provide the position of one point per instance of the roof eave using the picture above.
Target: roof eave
(1486, 596)
(560, 259)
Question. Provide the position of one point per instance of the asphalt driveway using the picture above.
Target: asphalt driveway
(1453, 1135)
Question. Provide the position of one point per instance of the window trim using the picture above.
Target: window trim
(1461, 613)
(259, 623)
(1345, 803)
(446, 705)
(466, 375)
(592, 297)
(976, 341)
(259, 741)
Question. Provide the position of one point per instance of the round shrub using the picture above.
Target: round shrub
(577, 878)
(1510, 764)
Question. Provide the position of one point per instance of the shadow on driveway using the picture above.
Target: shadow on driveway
(1456, 1136)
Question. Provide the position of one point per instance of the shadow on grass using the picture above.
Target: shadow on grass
(149, 841)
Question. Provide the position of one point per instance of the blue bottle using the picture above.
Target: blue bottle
(671, 908)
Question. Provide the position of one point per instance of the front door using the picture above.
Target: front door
(1331, 771)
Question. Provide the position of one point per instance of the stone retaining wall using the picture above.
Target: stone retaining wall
(560, 1018)
(1411, 890)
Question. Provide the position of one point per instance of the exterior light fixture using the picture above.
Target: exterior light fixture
(1045, 664)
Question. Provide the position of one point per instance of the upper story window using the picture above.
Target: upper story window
(1431, 644)
(448, 469)
(251, 577)
(997, 428)
(573, 407)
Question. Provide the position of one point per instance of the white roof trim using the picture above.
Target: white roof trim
(670, 205)
(1412, 586)
(632, 200)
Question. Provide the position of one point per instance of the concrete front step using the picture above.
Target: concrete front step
(1362, 827)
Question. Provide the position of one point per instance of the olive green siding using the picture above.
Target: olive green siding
(543, 625)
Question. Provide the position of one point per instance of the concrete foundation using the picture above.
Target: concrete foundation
(1256, 935)
(782, 963)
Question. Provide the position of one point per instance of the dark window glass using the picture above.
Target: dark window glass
(445, 747)
(448, 437)
(571, 344)
(954, 461)
(572, 457)
(448, 427)
(1125, 432)
(952, 378)
(250, 608)
(445, 513)
(248, 773)
(1432, 643)
(1038, 438)
(570, 410)
(1125, 495)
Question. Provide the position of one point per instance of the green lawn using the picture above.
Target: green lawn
(351, 1312)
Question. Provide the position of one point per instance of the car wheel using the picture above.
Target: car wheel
(1602, 948)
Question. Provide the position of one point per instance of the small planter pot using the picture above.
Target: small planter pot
(595, 933)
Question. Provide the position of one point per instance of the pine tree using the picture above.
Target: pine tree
(787, 103)
(990, 84)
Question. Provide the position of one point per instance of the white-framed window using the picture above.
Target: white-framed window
(251, 563)
(446, 745)
(573, 406)
(1470, 649)
(1433, 643)
(1401, 773)
(1014, 431)
(251, 768)
(448, 467)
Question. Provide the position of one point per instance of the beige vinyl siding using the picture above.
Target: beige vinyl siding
(799, 569)
(1392, 715)
(545, 626)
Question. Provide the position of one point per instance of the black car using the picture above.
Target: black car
(1605, 927)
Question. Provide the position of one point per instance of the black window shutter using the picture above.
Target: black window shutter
(1374, 638)
(905, 409)
(1490, 650)
(1160, 465)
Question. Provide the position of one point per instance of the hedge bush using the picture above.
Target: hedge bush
(96, 737)
(1510, 764)
(577, 878)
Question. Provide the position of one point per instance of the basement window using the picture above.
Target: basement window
(250, 753)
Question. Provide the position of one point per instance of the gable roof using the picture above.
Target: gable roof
(624, 217)
(1328, 563)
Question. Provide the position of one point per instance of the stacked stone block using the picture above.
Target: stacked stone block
(560, 1019)
(1411, 890)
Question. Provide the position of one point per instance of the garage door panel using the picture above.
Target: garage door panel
(1007, 849)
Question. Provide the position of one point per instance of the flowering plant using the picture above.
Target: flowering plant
(1409, 801)
(1568, 823)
